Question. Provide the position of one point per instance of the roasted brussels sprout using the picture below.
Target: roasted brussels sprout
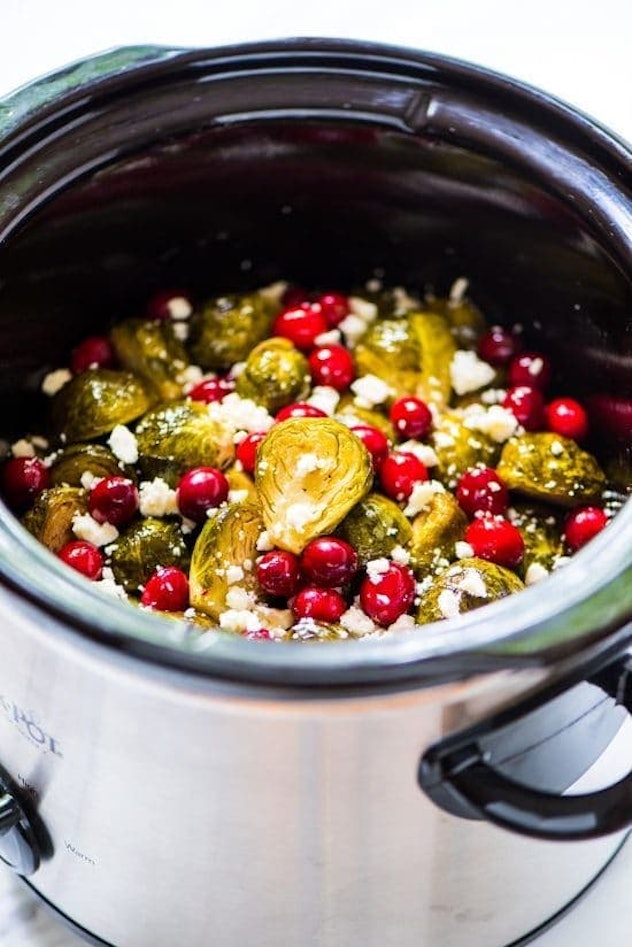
(347, 409)
(77, 459)
(50, 518)
(466, 321)
(309, 473)
(150, 350)
(93, 403)
(227, 328)
(435, 531)
(223, 557)
(174, 437)
(275, 374)
(458, 447)
(541, 528)
(437, 347)
(464, 586)
(374, 527)
(142, 547)
(551, 468)
(240, 483)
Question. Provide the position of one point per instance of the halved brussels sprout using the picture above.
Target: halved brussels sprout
(391, 350)
(459, 447)
(50, 518)
(227, 328)
(309, 473)
(175, 437)
(142, 547)
(464, 586)
(551, 468)
(76, 459)
(347, 409)
(435, 531)
(437, 347)
(226, 545)
(275, 375)
(238, 481)
(467, 323)
(150, 349)
(94, 402)
(374, 527)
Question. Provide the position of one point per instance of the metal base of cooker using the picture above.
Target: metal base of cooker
(90, 938)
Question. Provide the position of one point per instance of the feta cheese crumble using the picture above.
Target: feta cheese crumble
(55, 381)
(87, 528)
(123, 444)
(369, 390)
(422, 496)
(468, 372)
(535, 573)
(157, 498)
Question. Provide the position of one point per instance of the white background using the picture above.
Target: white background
(579, 51)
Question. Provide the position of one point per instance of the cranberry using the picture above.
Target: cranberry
(334, 307)
(611, 416)
(201, 489)
(294, 296)
(329, 562)
(167, 590)
(300, 409)
(300, 325)
(84, 557)
(498, 346)
(566, 417)
(246, 450)
(400, 472)
(480, 490)
(319, 604)
(279, 573)
(212, 389)
(582, 524)
(169, 304)
(530, 369)
(527, 406)
(113, 500)
(94, 352)
(332, 365)
(496, 540)
(388, 595)
(260, 634)
(411, 417)
(23, 478)
(375, 441)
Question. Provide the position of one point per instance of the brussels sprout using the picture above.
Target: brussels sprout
(275, 375)
(308, 629)
(228, 541)
(174, 437)
(76, 459)
(94, 402)
(226, 329)
(309, 473)
(374, 527)
(464, 586)
(347, 410)
(238, 481)
(458, 447)
(391, 350)
(551, 468)
(142, 547)
(541, 529)
(50, 517)
(467, 323)
(150, 350)
(437, 348)
(435, 531)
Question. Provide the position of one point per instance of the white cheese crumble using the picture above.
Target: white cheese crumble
(123, 444)
(264, 543)
(156, 498)
(353, 328)
(356, 621)
(325, 398)
(468, 372)
(369, 390)
(298, 515)
(234, 574)
(424, 452)
(535, 573)
(400, 555)
(308, 463)
(473, 583)
(88, 480)
(458, 291)
(448, 602)
(240, 414)
(55, 381)
(376, 568)
(557, 449)
(332, 337)
(179, 308)
(237, 496)
(189, 377)
(421, 496)
(181, 331)
(23, 448)
(99, 534)
(403, 623)
(403, 301)
(107, 583)
(365, 310)
(463, 550)
(239, 619)
(493, 395)
(497, 422)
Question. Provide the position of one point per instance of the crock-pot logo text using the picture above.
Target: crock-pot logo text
(29, 726)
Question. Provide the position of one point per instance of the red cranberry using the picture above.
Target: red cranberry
(332, 365)
(279, 573)
(113, 500)
(375, 441)
(611, 416)
(301, 326)
(94, 352)
(530, 369)
(246, 450)
(328, 561)
(199, 490)
(400, 472)
(212, 389)
(527, 406)
(566, 417)
(498, 346)
(84, 557)
(23, 478)
(389, 595)
(166, 590)
(320, 604)
(480, 490)
(411, 417)
(299, 410)
(169, 304)
(496, 540)
(334, 307)
(294, 296)
(582, 524)
(260, 634)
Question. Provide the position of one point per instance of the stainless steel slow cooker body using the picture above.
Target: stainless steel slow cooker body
(164, 787)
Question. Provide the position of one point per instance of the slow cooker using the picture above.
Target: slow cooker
(161, 786)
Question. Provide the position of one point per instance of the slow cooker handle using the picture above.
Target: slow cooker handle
(460, 780)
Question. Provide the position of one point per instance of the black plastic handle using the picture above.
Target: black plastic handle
(460, 779)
